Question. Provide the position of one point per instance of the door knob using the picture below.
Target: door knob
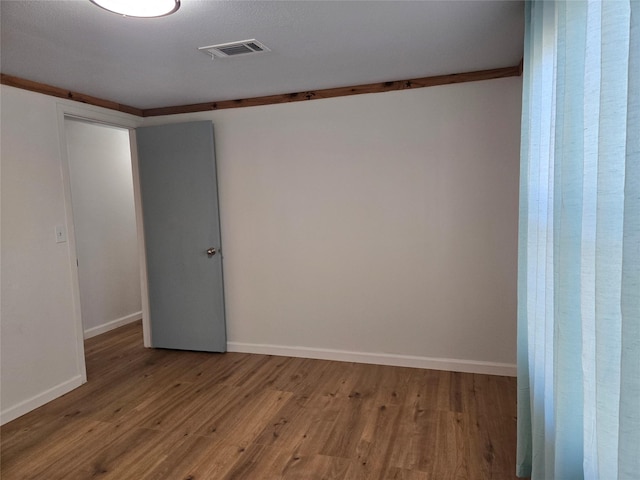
(211, 251)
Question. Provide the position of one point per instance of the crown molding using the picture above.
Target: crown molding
(475, 76)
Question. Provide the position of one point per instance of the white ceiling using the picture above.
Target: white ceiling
(148, 63)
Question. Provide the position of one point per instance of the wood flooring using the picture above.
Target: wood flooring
(162, 414)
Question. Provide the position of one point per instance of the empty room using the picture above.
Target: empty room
(320, 239)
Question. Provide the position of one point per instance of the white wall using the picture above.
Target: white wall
(39, 344)
(105, 225)
(41, 336)
(376, 228)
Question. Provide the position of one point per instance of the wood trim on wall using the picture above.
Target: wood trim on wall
(340, 91)
(478, 75)
(68, 94)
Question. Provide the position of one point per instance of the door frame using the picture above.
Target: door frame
(98, 115)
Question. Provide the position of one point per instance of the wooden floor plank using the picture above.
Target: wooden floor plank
(162, 414)
(315, 467)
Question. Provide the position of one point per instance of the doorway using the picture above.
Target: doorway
(104, 221)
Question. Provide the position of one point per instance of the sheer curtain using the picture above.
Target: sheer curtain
(579, 257)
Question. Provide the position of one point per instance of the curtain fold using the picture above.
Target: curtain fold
(579, 242)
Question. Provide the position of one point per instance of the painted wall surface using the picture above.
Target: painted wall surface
(105, 224)
(384, 224)
(38, 331)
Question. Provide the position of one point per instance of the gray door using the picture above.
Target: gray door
(182, 235)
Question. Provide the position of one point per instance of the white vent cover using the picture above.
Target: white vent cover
(233, 49)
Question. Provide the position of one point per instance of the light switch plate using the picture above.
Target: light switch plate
(61, 234)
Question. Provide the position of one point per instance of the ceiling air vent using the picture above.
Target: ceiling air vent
(233, 49)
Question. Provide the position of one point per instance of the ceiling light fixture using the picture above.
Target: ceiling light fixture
(139, 8)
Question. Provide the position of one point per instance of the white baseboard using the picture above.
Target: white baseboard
(449, 364)
(40, 399)
(118, 322)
